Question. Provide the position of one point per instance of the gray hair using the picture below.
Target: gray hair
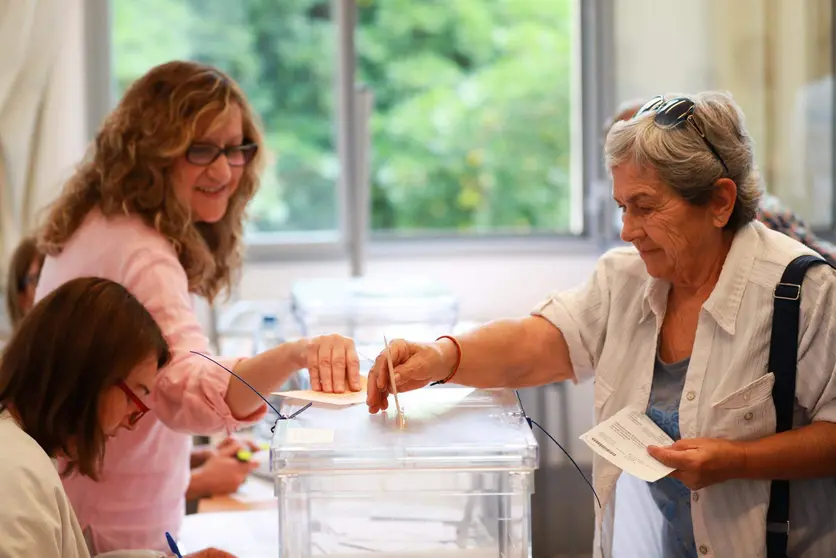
(624, 111)
(681, 159)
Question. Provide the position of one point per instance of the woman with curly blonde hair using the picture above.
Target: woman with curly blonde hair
(158, 206)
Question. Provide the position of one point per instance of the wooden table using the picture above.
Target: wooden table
(255, 494)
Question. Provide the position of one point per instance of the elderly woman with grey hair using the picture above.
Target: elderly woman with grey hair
(772, 212)
(679, 326)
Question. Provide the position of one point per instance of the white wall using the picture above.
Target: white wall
(63, 147)
(62, 140)
(774, 56)
(661, 47)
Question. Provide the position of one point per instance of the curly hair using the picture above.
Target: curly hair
(128, 171)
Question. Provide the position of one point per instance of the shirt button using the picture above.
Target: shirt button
(748, 416)
(690, 396)
(696, 497)
(703, 549)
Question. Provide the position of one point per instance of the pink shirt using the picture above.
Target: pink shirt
(142, 487)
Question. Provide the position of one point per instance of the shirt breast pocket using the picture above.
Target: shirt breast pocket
(745, 414)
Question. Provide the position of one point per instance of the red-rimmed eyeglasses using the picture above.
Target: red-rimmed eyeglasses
(142, 408)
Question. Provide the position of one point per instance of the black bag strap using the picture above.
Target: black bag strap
(783, 359)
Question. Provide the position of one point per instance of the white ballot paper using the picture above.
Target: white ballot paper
(623, 439)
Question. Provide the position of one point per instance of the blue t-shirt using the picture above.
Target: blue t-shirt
(671, 496)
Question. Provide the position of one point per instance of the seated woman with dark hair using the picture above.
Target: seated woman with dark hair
(77, 371)
(213, 470)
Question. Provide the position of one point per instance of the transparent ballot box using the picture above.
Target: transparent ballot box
(454, 478)
(366, 308)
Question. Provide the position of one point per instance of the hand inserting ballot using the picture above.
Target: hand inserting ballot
(332, 362)
(415, 364)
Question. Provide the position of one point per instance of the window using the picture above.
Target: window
(470, 130)
(471, 125)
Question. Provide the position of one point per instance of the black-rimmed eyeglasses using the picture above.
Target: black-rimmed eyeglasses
(674, 113)
(204, 154)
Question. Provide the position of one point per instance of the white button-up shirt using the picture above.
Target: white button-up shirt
(36, 518)
(611, 325)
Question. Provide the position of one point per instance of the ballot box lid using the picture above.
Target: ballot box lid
(444, 427)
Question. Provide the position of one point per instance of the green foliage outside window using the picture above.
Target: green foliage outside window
(471, 129)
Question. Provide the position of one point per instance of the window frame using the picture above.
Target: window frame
(353, 240)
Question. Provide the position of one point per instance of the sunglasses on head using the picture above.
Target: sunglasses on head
(674, 113)
(204, 154)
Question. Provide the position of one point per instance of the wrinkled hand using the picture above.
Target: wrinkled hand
(333, 364)
(222, 473)
(210, 553)
(701, 462)
(415, 366)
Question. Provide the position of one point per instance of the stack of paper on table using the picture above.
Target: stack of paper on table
(424, 539)
(253, 534)
(428, 529)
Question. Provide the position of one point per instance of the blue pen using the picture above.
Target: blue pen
(172, 545)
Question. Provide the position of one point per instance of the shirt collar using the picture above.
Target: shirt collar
(725, 299)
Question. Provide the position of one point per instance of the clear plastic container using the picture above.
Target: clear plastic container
(366, 309)
(454, 479)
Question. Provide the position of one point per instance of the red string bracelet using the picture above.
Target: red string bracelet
(458, 359)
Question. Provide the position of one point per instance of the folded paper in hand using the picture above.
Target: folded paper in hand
(346, 398)
(623, 439)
